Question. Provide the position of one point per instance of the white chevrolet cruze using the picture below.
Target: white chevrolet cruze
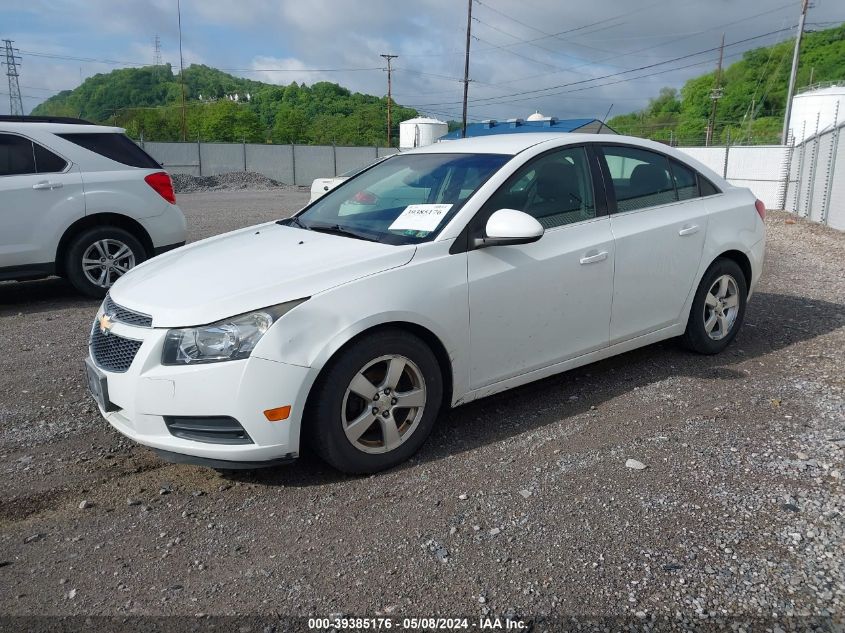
(462, 269)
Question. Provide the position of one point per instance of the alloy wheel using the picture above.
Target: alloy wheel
(383, 404)
(104, 261)
(721, 306)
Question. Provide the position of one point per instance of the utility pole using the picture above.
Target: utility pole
(715, 95)
(466, 70)
(182, 73)
(11, 63)
(805, 4)
(389, 57)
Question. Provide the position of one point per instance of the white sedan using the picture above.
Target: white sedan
(462, 270)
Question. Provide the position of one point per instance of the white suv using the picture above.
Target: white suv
(80, 201)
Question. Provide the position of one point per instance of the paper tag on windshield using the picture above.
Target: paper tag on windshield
(420, 217)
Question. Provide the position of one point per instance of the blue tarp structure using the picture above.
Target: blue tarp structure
(518, 126)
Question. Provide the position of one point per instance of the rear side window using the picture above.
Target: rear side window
(16, 156)
(46, 162)
(686, 182)
(117, 147)
(640, 178)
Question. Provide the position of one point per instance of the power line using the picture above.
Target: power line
(683, 36)
(624, 72)
(611, 83)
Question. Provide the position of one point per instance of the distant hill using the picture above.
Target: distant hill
(147, 101)
(752, 106)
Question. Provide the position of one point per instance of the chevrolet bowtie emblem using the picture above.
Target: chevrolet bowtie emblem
(105, 323)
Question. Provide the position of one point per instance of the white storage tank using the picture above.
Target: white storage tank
(420, 131)
(816, 104)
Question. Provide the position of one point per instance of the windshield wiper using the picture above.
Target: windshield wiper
(292, 221)
(336, 229)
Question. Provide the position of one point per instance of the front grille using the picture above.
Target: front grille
(125, 315)
(213, 430)
(111, 352)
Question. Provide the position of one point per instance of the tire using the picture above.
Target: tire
(371, 363)
(89, 245)
(712, 326)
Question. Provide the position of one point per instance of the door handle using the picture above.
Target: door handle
(592, 259)
(46, 184)
(688, 230)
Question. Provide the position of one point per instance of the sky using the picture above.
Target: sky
(564, 59)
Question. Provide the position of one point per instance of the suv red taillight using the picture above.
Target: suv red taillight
(160, 181)
(761, 209)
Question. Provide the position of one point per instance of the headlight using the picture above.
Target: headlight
(229, 339)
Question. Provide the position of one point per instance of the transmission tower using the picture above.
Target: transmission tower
(157, 43)
(11, 63)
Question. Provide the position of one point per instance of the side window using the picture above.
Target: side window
(707, 187)
(686, 184)
(556, 188)
(16, 155)
(46, 162)
(640, 178)
(116, 147)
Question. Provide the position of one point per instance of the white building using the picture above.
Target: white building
(420, 131)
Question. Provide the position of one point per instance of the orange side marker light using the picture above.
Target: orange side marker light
(278, 414)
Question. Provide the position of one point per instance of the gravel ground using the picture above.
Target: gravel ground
(185, 183)
(524, 504)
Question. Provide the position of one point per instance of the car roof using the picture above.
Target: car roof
(58, 128)
(513, 144)
(510, 144)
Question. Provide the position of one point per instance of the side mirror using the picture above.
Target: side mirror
(509, 226)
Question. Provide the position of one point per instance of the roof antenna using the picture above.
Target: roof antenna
(606, 114)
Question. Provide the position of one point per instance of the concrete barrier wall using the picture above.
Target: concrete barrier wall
(807, 179)
(291, 164)
(761, 168)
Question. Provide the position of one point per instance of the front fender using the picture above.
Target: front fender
(429, 292)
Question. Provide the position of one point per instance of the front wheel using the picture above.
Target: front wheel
(376, 404)
(99, 256)
(718, 308)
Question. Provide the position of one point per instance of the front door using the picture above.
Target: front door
(534, 305)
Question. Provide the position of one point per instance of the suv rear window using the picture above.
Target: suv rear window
(117, 147)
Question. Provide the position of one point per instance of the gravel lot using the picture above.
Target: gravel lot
(519, 504)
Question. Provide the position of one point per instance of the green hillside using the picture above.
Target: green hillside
(758, 80)
(147, 101)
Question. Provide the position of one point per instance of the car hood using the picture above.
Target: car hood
(247, 270)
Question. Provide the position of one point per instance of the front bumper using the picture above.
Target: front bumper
(241, 389)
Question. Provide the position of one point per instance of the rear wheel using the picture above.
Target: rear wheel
(376, 404)
(98, 257)
(718, 308)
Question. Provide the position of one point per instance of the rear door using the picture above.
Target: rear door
(41, 194)
(659, 222)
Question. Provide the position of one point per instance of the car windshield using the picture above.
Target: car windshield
(405, 199)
